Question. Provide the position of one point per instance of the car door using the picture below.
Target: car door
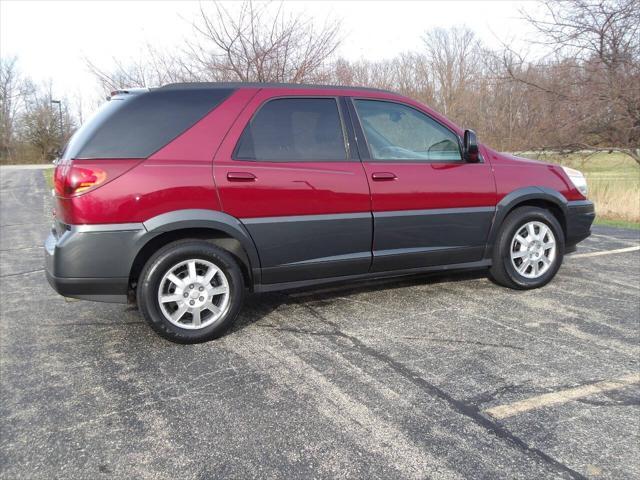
(286, 171)
(430, 207)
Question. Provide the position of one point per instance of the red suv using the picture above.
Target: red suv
(183, 197)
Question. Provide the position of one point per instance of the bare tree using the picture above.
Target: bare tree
(40, 123)
(153, 69)
(452, 55)
(591, 78)
(11, 90)
(260, 43)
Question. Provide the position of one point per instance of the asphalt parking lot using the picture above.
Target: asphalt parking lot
(425, 377)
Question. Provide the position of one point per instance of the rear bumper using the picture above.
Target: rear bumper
(580, 216)
(92, 262)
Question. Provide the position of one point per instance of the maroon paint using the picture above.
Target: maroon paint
(182, 175)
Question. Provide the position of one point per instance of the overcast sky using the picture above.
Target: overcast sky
(52, 38)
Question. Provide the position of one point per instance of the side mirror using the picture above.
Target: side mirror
(470, 147)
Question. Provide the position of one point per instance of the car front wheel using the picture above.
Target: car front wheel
(190, 291)
(529, 249)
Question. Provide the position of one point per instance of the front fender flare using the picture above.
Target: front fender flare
(517, 197)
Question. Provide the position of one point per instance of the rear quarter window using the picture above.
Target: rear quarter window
(137, 125)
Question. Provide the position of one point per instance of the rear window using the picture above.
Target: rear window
(139, 124)
(294, 129)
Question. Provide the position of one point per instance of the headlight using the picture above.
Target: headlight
(577, 178)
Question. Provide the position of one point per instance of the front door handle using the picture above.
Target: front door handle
(241, 177)
(383, 176)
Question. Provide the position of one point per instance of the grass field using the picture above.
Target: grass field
(613, 179)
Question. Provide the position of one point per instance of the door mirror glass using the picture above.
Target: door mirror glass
(470, 147)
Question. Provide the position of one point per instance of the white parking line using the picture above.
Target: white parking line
(555, 398)
(605, 252)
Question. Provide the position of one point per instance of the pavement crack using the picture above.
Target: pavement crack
(295, 330)
(21, 248)
(470, 411)
(425, 339)
(91, 324)
(22, 273)
(464, 342)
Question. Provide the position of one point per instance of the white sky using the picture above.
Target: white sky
(52, 38)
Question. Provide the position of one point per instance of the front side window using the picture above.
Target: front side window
(294, 129)
(398, 132)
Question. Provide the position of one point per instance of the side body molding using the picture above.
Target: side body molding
(200, 218)
(516, 197)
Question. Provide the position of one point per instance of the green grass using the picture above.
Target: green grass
(48, 176)
(617, 223)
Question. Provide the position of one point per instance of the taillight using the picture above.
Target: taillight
(58, 178)
(71, 180)
(80, 176)
(82, 179)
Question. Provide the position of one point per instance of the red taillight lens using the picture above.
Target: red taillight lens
(58, 178)
(70, 180)
(82, 179)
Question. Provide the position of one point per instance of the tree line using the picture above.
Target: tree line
(582, 93)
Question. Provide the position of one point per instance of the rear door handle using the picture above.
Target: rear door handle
(383, 176)
(241, 177)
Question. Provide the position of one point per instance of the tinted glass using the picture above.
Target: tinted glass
(137, 125)
(294, 129)
(399, 132)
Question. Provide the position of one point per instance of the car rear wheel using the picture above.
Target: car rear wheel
(190, 291)
(529, 249)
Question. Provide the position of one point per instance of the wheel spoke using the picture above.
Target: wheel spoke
(175, 280)
(523, 241)
(536, 268)
(548, 245)
(174, 297)
(219, 290)
(210, 274)
(196, 318)
(543, 232)
(545, 260)
(532, 231)
(177, 315)
(523, 267)
(193, 276)
(519, 254)
(212, 308)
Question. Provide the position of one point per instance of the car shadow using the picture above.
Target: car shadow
(259, 306)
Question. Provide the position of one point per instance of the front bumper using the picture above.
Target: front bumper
(580, 216)
(92, 262)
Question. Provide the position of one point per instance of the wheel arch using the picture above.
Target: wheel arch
(221, 229)
(541, 197)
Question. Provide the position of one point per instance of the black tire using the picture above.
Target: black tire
(502, 270)
(166, 258)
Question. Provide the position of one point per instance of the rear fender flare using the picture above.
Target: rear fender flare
(210, 219)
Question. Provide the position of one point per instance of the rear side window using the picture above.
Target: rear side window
(139, 124)
(294, 129)
(399, 132)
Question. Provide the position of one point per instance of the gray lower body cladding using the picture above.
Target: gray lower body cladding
(308, 247)
(580, 215)
(312, 246)
(92, 262)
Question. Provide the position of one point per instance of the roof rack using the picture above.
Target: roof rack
(216, 85)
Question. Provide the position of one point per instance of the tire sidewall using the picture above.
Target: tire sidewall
(159, 265)
(515, 223)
